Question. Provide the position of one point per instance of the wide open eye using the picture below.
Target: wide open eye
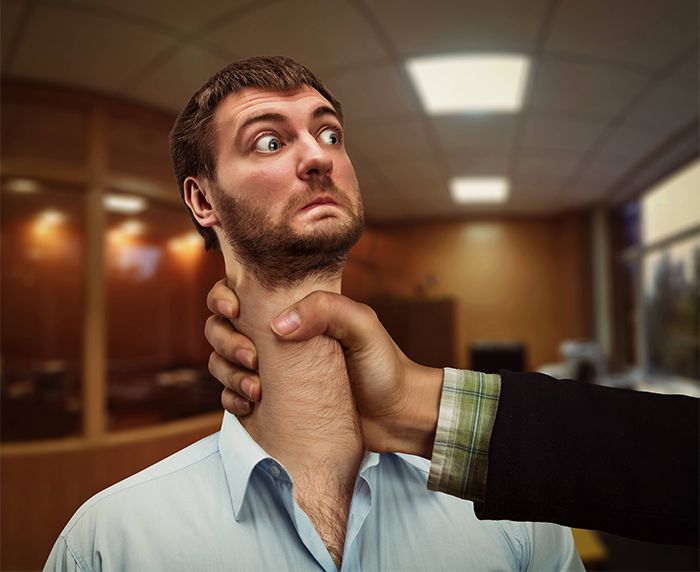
(268, 144)
(330, 136)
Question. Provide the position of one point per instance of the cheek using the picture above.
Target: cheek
(263, 183)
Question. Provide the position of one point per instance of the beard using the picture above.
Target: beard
(275, 254)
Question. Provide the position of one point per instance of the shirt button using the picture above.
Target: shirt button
(275, 470)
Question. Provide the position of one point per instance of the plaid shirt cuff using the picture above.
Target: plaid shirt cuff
(460, 458)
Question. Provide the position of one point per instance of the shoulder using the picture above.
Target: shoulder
(112, 525)
(127, 494)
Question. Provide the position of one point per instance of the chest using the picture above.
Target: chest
(327, 509)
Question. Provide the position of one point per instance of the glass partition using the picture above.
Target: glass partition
(42, 228)
(157, 277)
(104, 279)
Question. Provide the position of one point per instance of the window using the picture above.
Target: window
(671, 295)
(657, 279)
(670, 270)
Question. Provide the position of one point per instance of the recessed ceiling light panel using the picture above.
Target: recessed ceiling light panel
(470, 83)
(479, 190)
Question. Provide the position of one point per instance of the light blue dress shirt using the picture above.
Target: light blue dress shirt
(224, 504)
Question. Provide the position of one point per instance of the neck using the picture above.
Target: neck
(306, 417)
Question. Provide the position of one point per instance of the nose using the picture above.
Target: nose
(315, 159)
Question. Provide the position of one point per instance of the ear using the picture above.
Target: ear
(196, 196)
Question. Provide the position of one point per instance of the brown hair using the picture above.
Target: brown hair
(191, 139)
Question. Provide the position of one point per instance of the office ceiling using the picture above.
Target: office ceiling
(611, 105)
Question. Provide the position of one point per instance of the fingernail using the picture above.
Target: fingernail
(247, 387)
(244, 357)
(241, 404)
(286, 323)
(224, 308)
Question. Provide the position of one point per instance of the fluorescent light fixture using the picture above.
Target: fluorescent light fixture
(127, 204)
(479, 190)
(470, 83)
(25, 186)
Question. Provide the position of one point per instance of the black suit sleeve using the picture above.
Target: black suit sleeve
(587, 456)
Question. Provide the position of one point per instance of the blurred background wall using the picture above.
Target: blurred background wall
(587, 266)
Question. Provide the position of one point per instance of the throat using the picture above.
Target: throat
(307, 420)
(307, 415)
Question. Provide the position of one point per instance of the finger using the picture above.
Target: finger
(229, 343)
(244, 383)
(234, 404)
(222, 300)
(324, 313)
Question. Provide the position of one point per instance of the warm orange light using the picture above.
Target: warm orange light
(47, 222)
(187, 247)
(51, 217)
(48, 234)
(125, 233)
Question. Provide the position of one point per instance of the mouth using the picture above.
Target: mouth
(320, 201)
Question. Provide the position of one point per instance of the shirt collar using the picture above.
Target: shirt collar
(240, 455)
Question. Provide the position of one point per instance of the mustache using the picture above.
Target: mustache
(322, 186)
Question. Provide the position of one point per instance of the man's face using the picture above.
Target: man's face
(286, 193)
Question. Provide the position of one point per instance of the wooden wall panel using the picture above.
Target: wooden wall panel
(514, 279)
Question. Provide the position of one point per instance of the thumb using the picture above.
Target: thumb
(326, 313)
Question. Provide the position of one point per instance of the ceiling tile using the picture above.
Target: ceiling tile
(626, 146)
(559, 134)
(459, 25)
(396, 140)
(301, 29)
(668, 107)
(592, 185)
(543, 172)
(413, 177)
(11, 15)
(486, 133)
(585, 89)
(534, 198)
(179, 16)
(648, 34)
(372, 180)
(388, 98)
(467, 163)
(79, 48)
(171, 85)
(688, 71)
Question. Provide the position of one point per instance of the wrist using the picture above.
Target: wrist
(413, 430)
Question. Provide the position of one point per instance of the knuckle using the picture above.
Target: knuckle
(324, 302)
(369, 312)
(208, 325)
(213, 364)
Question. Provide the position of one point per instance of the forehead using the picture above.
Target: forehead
(237, 107)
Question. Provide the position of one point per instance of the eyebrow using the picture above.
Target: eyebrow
(279, 118)
(325, 110)
(276, 117)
